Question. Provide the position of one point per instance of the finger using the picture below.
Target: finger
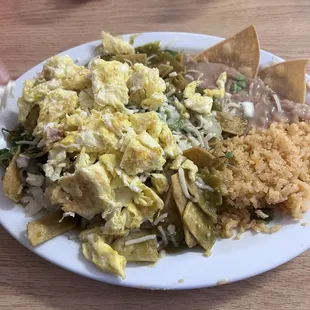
(4, 74)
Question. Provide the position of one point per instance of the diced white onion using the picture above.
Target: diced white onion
(261, 214)
(248, 109)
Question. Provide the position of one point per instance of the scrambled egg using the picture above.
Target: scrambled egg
(54, 108)
(154, 126)
(96, 250)
(90, 191)
(67, 73)
(86, 98)
(148, 86)
(220, 91)
(160, 183)
(148, 202)
(93, 135)
(109, 80)
(115, 46)
(196, 102)
(142, 154)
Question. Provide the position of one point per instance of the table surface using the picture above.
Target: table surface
(33, 30)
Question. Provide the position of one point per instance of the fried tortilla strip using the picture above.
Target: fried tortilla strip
(206, 206)
(48, 227)
(200, 225)
(199, 156)
(231, 124)
(173, 217)
(11, 181)
(241, 52)
(139, 252)
(288, 79)
(131, 59)
(181, 202)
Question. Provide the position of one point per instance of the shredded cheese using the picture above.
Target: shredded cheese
(173, 74)
(202, 185)
(161, 218)
(140, 240)
(183, 184)
(163, 234)
(278, 103)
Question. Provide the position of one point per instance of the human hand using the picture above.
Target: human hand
(4, 75)
(6, 86)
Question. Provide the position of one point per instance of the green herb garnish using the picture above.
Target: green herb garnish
(6, 155)
(239, 84)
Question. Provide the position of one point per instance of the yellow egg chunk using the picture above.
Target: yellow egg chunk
(143, 154)
(54, 108)
(115, 46)
(160, 183)
(149, 122)
(33, 92)
(109, 80)
(194, 101)
(220, 91)
(154, 126)
(90, 191)
(102, 255)
(67, 73)
(117, 122)
(148, 202)
(147, 87)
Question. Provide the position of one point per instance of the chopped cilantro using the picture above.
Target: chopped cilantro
(229, 155)
(237, 86)
(6, 155)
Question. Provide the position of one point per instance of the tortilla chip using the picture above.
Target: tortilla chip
(288, 79)
(231, 124)
(199, 156)
(241, 52)
(11, 181)
(174, 217)
(200, 225)
(48, 227)
(206, 206)
(140, 252)
(181, 201)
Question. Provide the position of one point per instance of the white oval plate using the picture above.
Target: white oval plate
(231, 260)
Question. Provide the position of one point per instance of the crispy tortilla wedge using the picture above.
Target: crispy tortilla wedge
(11, 181)
(173, 217)
(181, 202)
(48, 227)
(140, 252)
(288, 79)
(199, 156)
(200, 225)
(240, 51)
